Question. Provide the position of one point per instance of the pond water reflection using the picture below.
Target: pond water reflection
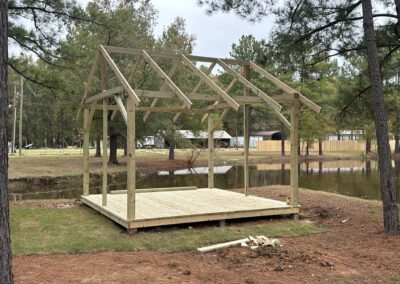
(348, 177)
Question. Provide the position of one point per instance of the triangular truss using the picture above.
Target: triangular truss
(169, 89)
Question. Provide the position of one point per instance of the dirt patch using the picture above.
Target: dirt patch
(354, 251)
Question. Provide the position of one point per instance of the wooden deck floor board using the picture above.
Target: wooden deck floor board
(174, 207)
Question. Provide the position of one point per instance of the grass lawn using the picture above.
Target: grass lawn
(80, 229)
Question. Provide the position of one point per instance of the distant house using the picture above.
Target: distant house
(346, 135)
(221, 137)
(238, 141)
(268, 135)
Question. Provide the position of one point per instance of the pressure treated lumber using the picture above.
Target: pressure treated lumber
(273, 104)
(294, 154)
(210, 152)
(88, 83)
(187, 206)
(246, 91)
(162, 88)
(210, 83)
(123, 50)
(121, 108)
(285, 87)
(104, 95)
(118, 74)
(104, 187)
(208, 71)
(223, 245)
(156, 189)
(131, 168)
(86, 130)
(167, 80)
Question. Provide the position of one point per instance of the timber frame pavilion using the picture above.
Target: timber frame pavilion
(136, 208)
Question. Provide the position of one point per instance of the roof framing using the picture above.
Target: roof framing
(220, 99)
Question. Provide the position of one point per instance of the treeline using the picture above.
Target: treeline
(54, 84)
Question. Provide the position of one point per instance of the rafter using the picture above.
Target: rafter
(119, 75)
(208, 71)
(88, 83)
(162, 88)
(210, 83)
(286, 88)
(167, 79)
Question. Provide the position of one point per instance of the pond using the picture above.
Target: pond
(347, 177)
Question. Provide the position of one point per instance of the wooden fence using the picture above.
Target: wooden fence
(327, 146)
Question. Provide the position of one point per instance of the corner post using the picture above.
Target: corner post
(131, 175)
(294, 155)
(104, 86)
(86, 151)
(105, 156)
(210, 152)
(246, 75)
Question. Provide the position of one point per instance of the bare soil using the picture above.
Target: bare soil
(353, 250)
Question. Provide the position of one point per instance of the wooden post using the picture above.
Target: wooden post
(210, 152)
(246, 74)
(21, 103)
(104, 87)
(86, 151)
(294, 155)
(14, 119)
(105, 156)
(131, 175)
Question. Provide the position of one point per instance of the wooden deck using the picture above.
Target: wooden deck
(186, 206)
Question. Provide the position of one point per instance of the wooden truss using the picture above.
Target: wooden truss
(128, 100)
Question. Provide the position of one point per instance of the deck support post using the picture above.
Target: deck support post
(105, 156)
(294, 155)
(86, 151)
(131, 175)
(210, 152)
(104, 87)
(246, 75)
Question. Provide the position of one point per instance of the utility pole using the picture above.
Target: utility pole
(14, 119)
(20, 115)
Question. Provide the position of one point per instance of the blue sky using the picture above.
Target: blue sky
(214, 34)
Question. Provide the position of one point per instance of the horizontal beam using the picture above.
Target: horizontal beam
(104, 95)
(157, 189)
(119, 75)
(156, 109)
(284, 99)
(123, 50)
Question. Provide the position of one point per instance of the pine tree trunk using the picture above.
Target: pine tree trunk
(171, 155)
(397, 131)
(320, 151)
(113, 149)
(307, 149)
(388, 190)
(98, 148)
(6, 275)
(368, 145)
